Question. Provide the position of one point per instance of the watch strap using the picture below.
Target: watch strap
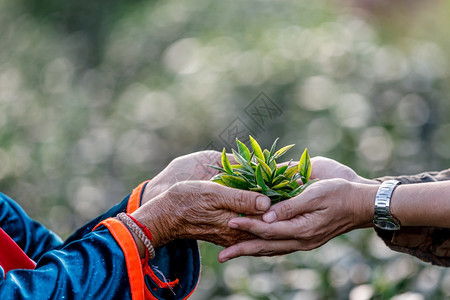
(382, 215)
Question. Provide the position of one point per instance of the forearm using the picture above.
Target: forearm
(422, 204)
(412, 204)
(422, 210)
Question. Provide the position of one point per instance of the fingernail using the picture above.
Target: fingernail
(232, 224)
(224, 259)
(262, 203)
(270, 217)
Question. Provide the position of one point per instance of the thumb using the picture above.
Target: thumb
(284, 210)
(245, 202)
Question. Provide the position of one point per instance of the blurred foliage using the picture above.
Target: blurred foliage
(98, 96)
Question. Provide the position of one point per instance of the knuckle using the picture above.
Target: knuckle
(286, 211)
(239, 200)
(268, 233)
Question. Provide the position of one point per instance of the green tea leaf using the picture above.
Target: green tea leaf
(296, 177)
(260, 179)
(236, 167)
(281, 185)
(304, 166)
(226, 163)
(271, 193)
(235, 182)
(241, 160)
(257, 171)
(243, 150)
(273, 166)
(266, 155)
(295, 192)
(218, 179)
(218, 176)
(280, 170)
(244, 172)
(294, 184)
(291, 171)
(279, 179)
(267, 172)
(216, 167)
(282, 151)
(284, 195)
(273, 148)
(256, 148)
(249, 178)
(301, 188)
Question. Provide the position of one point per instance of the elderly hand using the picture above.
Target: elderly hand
(183, 168)
(326, 209)
(199, 210)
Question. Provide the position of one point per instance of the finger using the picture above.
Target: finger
(319, 167)
(240, 201)
(286, 209)
(274, 231)
(259, 247)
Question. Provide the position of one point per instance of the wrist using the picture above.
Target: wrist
(364, 204)
(367, 181)
(157, 220)
(139, 244)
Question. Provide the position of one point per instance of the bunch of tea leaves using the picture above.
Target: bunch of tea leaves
(258, 171)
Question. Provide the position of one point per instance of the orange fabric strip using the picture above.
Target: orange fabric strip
(134, 202)
(131, 253)
(161, 284)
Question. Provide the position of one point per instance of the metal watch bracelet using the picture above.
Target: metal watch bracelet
(382, 216)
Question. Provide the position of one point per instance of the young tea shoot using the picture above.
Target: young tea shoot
(257, 170)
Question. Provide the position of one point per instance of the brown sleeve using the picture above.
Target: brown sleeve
(430, 244)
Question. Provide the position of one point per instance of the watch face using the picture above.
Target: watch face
(387, 225)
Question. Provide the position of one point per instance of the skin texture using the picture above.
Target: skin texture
(320, 213)
(180, 202)
(340, 202)
(408, 205)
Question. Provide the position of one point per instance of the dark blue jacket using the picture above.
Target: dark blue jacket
(95, 264)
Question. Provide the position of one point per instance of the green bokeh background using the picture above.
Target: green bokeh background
(97, 96)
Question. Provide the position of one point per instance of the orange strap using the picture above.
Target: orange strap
(134, 202)
(134, 268)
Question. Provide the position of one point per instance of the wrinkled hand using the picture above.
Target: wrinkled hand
(326, 209)
(200, 210)
(183, 168)
(327, 168)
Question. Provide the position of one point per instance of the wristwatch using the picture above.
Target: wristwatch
(382, 217)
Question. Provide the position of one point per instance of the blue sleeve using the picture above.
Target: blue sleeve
(99, 264)
(32, 237)
(87, 228)
(92, 267)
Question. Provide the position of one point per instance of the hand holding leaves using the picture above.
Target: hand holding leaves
(258, 171)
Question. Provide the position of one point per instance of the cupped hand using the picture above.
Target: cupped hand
(183, 168)
(327, 168)
(324, 210)
(200, 210)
